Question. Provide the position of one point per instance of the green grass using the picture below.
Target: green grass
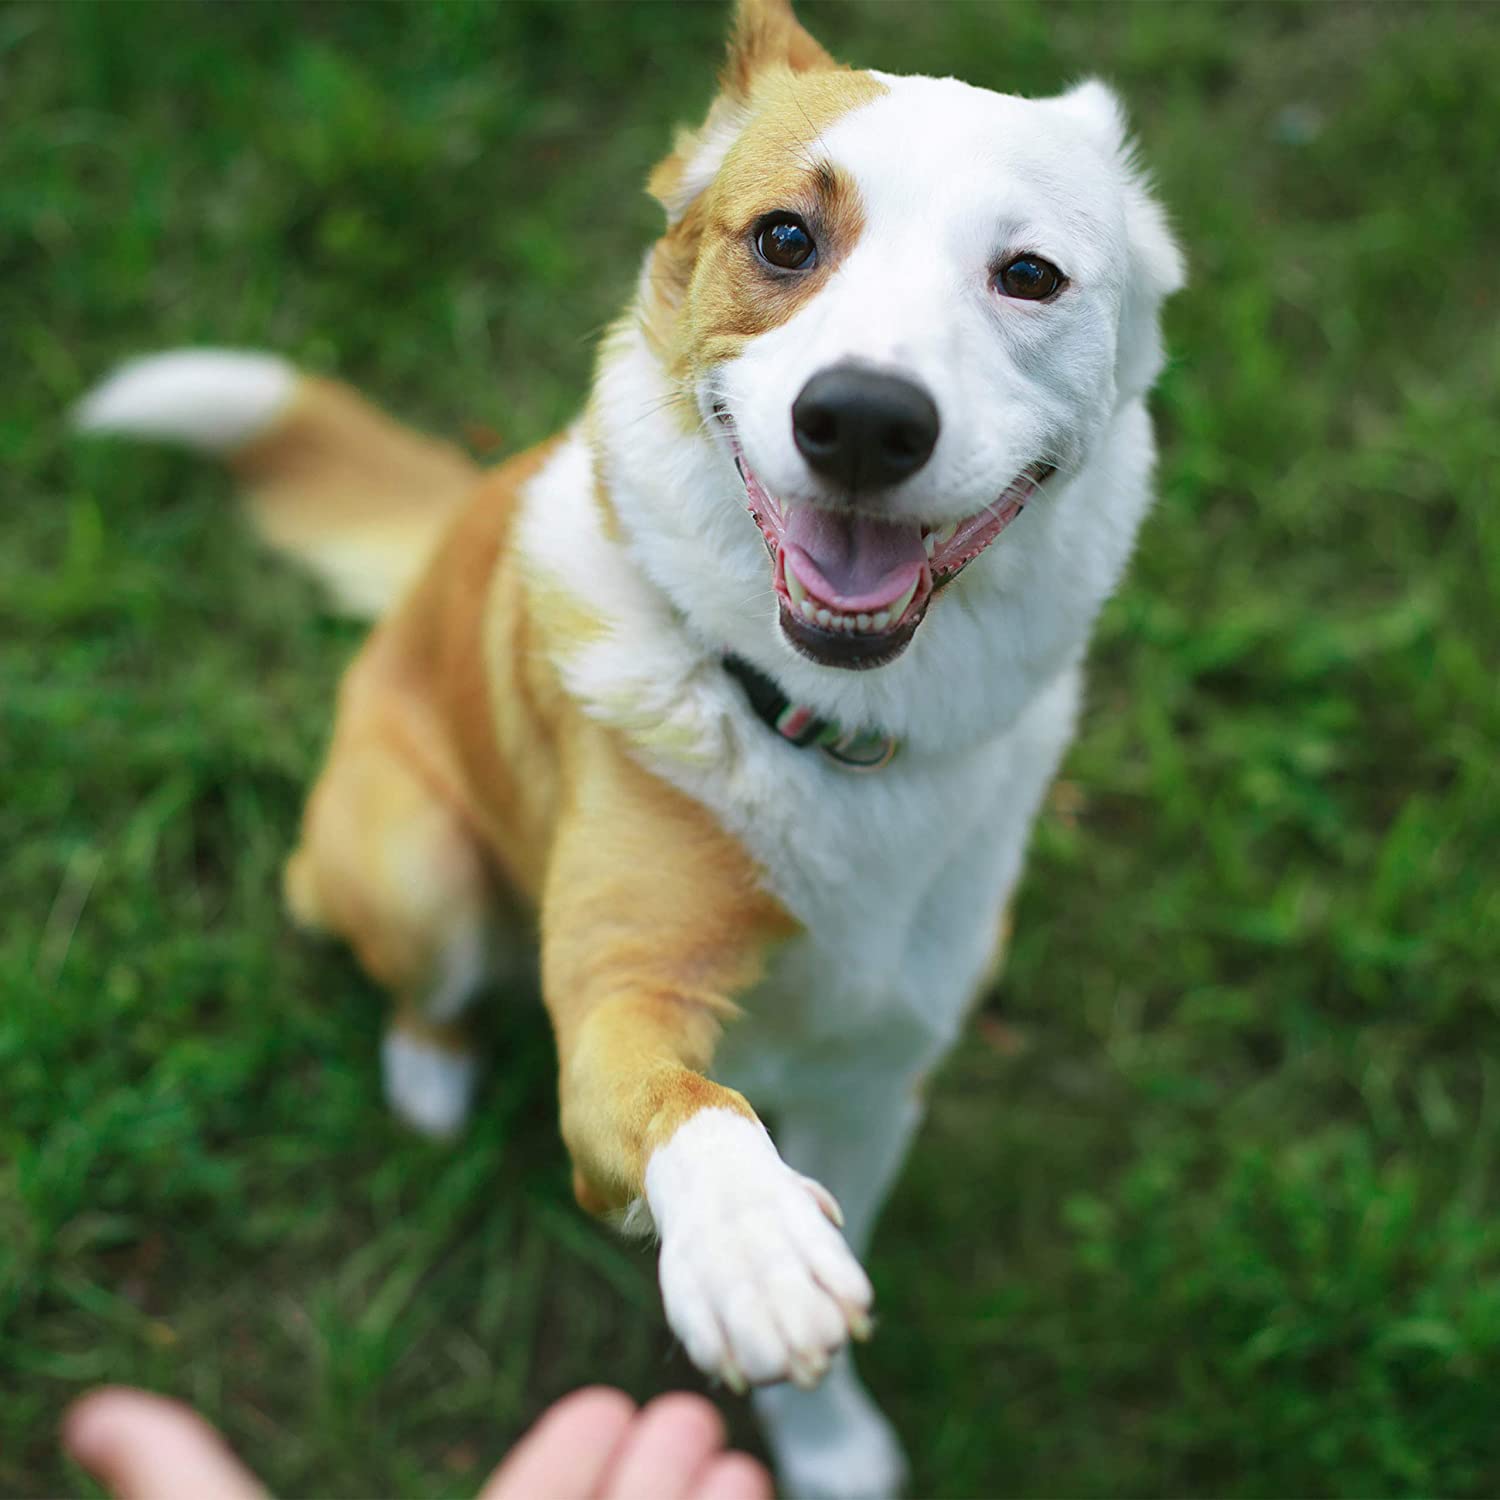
(1208, 1200)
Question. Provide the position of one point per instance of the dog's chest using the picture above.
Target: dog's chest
(897, 880)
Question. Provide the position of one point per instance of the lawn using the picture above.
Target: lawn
(1207, 1203)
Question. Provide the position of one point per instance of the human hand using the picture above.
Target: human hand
(592, 1445)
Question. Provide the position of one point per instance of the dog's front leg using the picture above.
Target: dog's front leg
(652, 921)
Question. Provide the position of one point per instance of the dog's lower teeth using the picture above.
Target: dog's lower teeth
(831, 619)
(806, 605)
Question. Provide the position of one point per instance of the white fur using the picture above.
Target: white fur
(897, 879)
(756, 1281)
(831, 1443)
(426, 1086)
(214, 400)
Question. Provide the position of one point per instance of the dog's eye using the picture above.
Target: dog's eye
(1029, 277)
(783, 240)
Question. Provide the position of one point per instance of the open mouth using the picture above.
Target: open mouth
(854, 587)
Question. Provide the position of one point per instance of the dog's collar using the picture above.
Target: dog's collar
(853, 749)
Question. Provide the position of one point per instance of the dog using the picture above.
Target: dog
(738, 698)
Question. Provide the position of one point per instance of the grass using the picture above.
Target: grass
(1208, 1200)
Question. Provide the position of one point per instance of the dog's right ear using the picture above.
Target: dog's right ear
(763, 35)
(764, 38)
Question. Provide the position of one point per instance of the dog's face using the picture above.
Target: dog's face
(904, 307)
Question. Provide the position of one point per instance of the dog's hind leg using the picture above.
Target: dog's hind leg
(390, 866)
(833, 1443)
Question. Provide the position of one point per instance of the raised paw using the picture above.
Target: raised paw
(756, 1278)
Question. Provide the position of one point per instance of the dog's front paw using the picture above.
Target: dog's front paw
(756, 1278)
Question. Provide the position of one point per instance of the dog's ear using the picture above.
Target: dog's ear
(765, 34)
(1096, 107)
(1157, 267)
(764, 37)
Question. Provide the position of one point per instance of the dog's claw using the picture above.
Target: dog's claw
(807, 1367)
(861, 1325)
(825, 1201)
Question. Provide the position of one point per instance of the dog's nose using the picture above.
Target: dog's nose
(863, 428)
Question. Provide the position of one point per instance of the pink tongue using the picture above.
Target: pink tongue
(853, 562)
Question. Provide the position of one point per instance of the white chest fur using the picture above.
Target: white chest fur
(897, 878)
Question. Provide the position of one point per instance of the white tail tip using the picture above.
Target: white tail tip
(214, 400)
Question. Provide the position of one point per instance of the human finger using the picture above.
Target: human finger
(668, 1446)
(145, 1447)
(568, 1452)
(733, 1476)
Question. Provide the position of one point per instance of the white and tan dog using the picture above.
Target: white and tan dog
(762, 781)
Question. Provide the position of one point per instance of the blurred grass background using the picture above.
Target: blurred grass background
(1207, 1203)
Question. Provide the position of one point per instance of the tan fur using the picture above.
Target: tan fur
(710, 292)
(766, 35)
(358, 498)
(707, 291)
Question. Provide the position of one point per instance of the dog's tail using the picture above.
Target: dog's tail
(356, 498)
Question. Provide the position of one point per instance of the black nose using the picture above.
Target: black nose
(862, 428)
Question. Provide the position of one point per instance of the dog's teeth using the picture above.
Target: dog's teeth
(899, 607)
(929, 543)
(832, 619)
(946, 535)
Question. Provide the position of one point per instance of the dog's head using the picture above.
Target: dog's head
(903, 308)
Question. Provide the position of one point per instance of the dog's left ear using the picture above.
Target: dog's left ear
(1157, 267)
(764, 38)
